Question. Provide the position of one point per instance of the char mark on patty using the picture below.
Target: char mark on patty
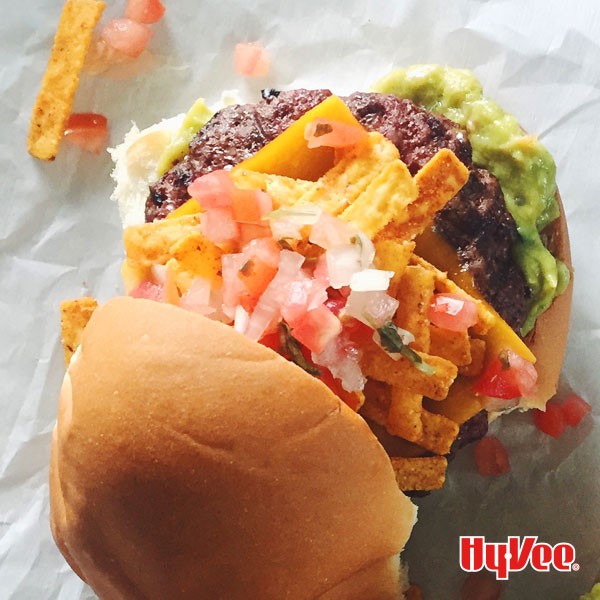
(475, 222)
(417, 133)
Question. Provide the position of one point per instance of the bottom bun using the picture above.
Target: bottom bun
(191, 462)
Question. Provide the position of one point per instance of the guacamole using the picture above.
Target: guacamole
(524, 168)
(195, 119)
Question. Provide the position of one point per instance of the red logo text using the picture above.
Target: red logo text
(515, 555)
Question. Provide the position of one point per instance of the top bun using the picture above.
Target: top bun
(191, 462)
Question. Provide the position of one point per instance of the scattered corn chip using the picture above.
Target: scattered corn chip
(414, 295)
(437, 182)
(475, 367)
(379, 365)
(285, 191)
(393, 255)
(377, 402)
(404, 414)
(438, 432)
(454, 346)
(55, 99)
(385, 199)
(422, 473)
(354, 172)
(74, 316)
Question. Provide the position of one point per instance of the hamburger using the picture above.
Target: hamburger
(422, 396)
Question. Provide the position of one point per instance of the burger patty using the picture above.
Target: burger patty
(475, 222)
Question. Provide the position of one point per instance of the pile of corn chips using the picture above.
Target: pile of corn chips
(371, 188)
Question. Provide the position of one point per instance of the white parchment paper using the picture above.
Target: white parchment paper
(60, 238)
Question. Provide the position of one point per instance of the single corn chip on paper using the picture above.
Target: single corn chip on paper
(420, 473)
(55, 99)
(74, 316)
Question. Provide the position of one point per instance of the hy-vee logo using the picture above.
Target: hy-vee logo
(515, 555)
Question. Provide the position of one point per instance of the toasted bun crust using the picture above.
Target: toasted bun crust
(548, 340)
(191, 462)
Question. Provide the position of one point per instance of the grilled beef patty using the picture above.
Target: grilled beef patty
(476, 221)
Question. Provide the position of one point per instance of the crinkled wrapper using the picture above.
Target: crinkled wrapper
(60, 237)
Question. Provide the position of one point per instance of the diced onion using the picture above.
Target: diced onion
(372, 308)
(197, 298)
(159, 274)
(367, 250)
(343, 360)
(303, 214)
(240, 320)
(233, 286)
(330, 232)
(283, 229)
(371, 280)
(342, 262)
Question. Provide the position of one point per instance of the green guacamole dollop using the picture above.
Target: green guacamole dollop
(195, 119)
(524, 168)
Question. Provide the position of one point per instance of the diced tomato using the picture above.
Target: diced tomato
(320, 273)
(333, 134)
(256, 276)
(256, 267)
(352, 399)
(127, 36)
(271, 340)
(335, 301)
(524, 372)
(551, 421)
(101, 56)
(245, 208)
(249, 206)
(88, 131)
(508, 376)
(266, 250)
(251, 60)
(250, 232)
(213, 190)
(316, 328)
(481, 586)
(149, 291)
(218, 225)
(453, 312)
(359, 333)
(574, 408)
(145, 11)
(491, 457)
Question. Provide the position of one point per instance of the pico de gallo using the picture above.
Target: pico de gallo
(297, 279)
